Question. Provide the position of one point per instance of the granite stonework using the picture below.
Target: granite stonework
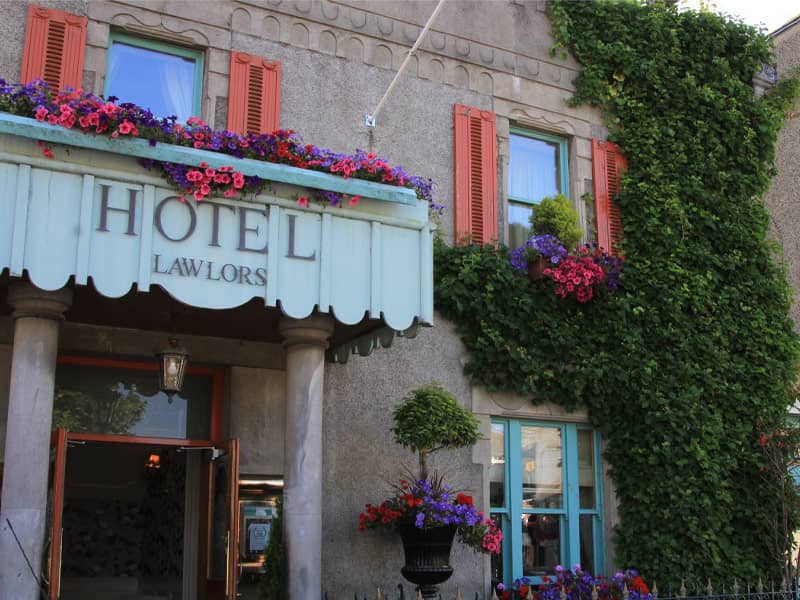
(783, 198)
(338, 58)
(23, 508)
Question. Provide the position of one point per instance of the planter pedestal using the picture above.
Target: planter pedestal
(427, 553)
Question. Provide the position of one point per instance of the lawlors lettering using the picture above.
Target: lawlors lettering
(200, 268)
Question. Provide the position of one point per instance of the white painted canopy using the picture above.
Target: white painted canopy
(97, 214)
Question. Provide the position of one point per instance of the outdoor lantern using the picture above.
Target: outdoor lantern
(153, 461)
(173, 367)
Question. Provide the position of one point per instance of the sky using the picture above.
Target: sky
(769, 13)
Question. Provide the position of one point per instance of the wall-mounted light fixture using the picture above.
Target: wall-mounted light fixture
(173, 368)
(153, 461)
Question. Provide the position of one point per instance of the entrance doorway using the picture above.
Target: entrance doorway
(134, 516)
(124, 523)
(142, 520)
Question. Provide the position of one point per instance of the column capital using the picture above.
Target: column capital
(29, 301)
(311, 331)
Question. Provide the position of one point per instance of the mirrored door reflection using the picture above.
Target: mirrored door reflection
(115, 401)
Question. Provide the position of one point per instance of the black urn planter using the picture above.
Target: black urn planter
(427, 553)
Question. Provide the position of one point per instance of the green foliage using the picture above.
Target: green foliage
(556, 216)
(677, 366)
(272, 585)
(113, 410)
(430, 418)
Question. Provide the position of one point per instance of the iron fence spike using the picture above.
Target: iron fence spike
(654, 591)
(379, 596)
(783, 583)
(529, 595)
(594, 592)
(682, 591)
(458, 594)
(735, 586)
(760, 586)
(709, 589)
(625, 593)
(494, 595)
(563, 594)
(419, 594)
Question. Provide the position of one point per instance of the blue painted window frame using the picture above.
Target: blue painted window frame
(563, 164)
(164, 48)
(510, 514)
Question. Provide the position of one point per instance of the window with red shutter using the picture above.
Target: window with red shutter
(54, 48)
(475, 174)
(254, 94)
(608, 163)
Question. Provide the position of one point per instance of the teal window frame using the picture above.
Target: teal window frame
(164, 48)
(511, 512)
(563, 168)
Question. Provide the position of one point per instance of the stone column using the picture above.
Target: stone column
(305, 341)
(37, 315)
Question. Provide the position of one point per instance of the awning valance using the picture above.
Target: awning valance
(93, 212)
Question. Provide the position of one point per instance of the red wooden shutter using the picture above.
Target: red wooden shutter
(254, 94)
(54, 46)
(475, 174)
(608, 163)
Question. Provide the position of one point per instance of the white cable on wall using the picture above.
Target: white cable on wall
(370, 120)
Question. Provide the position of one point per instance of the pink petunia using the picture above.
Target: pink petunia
(354, 200)
(302, 201)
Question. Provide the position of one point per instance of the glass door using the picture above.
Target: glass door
(223, 555)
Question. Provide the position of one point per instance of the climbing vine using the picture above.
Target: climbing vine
(685, 366)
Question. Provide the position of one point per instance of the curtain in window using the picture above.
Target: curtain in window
(533, 172)
(177, 80)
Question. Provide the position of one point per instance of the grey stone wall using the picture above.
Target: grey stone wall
(362, 461)
(783, 198)
(258, 418)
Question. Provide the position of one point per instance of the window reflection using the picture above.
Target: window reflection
(126, 402)
(541, 467)
(497, 470)
(541, 544)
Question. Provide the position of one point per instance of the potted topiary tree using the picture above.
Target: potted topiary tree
(430, 419)
(427, 512)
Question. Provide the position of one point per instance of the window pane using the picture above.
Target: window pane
(586, 470)
(519, 224)
(163, 83)
(541, 544)
(497, 470)
(128, 402)
(533, 169)
(541, 467)
(497, 559)
(587, 542)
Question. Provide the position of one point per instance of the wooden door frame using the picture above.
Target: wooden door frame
(217, 376)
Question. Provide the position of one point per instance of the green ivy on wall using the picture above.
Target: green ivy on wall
(684, 366)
